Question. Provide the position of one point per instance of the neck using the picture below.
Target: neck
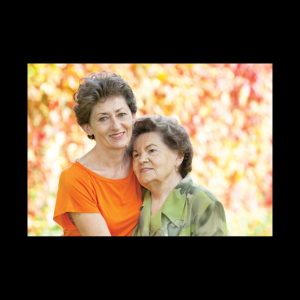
(113, 159)
(161, 190)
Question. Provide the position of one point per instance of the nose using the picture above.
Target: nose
(143, 159)
(115, 125)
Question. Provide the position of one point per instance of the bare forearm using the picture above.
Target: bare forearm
(90, 224)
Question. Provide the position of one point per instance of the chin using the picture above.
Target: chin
(121, 145)
(145, 182)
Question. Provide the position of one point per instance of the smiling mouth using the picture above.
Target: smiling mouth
(145, 170)
(117, 135)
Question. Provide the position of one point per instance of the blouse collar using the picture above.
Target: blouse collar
(173, 207)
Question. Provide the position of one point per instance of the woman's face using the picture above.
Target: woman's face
(153, 160)
(111, 123)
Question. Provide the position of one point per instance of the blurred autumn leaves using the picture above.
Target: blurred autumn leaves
(226, 108)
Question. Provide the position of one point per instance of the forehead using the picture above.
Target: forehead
(111, 104)
(148, 138)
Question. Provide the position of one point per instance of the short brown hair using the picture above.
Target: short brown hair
(97, 87)
(172, 134)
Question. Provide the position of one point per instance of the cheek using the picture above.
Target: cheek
(169, 160)
(128, 122)
(135, 167)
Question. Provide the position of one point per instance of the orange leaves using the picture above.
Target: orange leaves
(226, 108)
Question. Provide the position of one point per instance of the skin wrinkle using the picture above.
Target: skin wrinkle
(160, 177)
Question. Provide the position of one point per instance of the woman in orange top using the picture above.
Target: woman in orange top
(99, 194)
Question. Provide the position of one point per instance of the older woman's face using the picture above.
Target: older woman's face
(111, 123)
(153, 160)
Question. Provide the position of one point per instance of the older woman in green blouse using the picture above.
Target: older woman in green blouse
(172, 204)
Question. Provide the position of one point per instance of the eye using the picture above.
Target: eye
(122, 114)
(103, 119)
(152, 150)
(135, 155)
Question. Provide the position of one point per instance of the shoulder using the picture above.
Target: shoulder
(75, 183)
(203, 204)
(193, 190)
(73, 173)
(201, 193)
(200, 198)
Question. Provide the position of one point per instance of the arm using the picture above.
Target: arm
(90, 224)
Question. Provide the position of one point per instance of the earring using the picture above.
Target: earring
(176, 169)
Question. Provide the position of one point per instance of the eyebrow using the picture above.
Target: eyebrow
(146, 147)
(105, 113)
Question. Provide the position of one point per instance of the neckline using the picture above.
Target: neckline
(104, 178)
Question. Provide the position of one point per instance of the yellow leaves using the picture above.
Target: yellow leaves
(239, 118)
(74, 151)
(255, 108)
(52, 152)
(225, 99)
(156, 70)
(250, 174)
(48, 130)
(74, 128)
(31, 156)
(244, 94)
(44, 109)
(36, 122)
(204, 111)
(48, 88)
(62, 161)
(29, 127)
(30, 72)
(257, 222)
(156, 83)
(139, 103)
(62, 66)
(79, 70)
(157, 110)
(146, 83)
(224, 130)
(34, 94)
(60, 138)
(213, 71)
(72, 83)
(218, 183)
(185, 116)
(251, 153)
(54, 116)
(66, 113)
(230, 75)
(239, 177)
(231, 129)
(64, 98)
(72, 147)
(161, 75)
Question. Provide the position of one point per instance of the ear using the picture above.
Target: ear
(87, 129)
(179, 159)
(133, 118)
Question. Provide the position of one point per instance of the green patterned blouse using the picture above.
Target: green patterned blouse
(190, 210)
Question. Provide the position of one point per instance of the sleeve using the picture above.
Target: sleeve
(212, 222)
(75, 194)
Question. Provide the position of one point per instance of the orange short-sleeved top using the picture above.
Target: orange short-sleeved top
(82, 190)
